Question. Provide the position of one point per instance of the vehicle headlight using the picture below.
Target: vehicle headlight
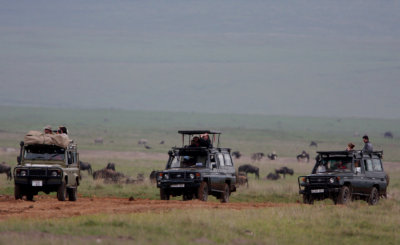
(54, 173)
(159, 177)
(332, 180)
(23, 173)
(191, 176)
(166, 176)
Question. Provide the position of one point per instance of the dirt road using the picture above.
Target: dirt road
(48, 207)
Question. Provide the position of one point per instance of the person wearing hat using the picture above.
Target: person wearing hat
(62, 130)
(47, 130)
(367, 145)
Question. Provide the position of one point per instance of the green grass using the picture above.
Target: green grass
(299, 224)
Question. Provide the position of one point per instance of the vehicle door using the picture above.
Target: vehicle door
(369, 175)
(219, 174)
(358, 177)
(377, 175)
(230, 173)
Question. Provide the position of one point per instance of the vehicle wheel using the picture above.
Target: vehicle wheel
(202, 192)
(344, 196)
(373, 197)
(62, 192)
(72, 194)
(17, 192)
(308, 199)
(225, 195)
(29, 197)
(187, 197)
(164, 194)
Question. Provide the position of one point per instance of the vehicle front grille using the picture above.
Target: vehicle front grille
(177, 175)
(37, 172)
(318, 180)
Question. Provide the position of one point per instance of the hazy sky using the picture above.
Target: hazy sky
(320, 58)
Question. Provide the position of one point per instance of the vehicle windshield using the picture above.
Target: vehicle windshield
(334, 164)
(44, 152)
(189, 160)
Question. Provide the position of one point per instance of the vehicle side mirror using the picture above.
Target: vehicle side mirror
(18, 159)
(358, 170)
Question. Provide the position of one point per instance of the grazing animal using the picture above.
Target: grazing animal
(140, 177)
(147, 147)
(153, 176)
(236, 154)
(257, 156)
(272, 176)
(142, 142)
(303, 156)
(272, 156)
(247, 168)
(6, 169)
(313, 143)
(98, 141)
(241, 179)
(388, 135)
(85, 166)
(109, 175)
(162, 142)
(110, 166)
(284, 171)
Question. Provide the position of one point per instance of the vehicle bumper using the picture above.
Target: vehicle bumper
(319, 190)
(183, 185)
(27, 181)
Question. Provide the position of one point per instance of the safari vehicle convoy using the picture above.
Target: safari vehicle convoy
(48, 163)
(198, 169)
(344, 176)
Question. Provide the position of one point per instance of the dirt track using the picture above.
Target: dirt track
(48, 207)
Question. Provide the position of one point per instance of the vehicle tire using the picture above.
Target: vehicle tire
(202, 192)
(164, 194)
(17, 192)
(308, 199)
(225, 195)
(72, 194)
(62, 192)
(373, 197)
(344, 196)
(29, 196)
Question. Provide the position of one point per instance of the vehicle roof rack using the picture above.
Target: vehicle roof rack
(193, 132)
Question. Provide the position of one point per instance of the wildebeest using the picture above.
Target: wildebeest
(147, 147)
(303, 156)
(272, 176)
(272, 156)
(284, 171)
(98, 141)
(153, 176)
(313, 143)
(111, 166)
(388, 135)
(108, 175)
(6, 169)
(85, 166)
(236, 154)
(247, 168)
(142, 142)
(257, 156)
(162, 142)
(241, 179)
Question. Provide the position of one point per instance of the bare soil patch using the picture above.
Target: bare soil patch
(46, 207)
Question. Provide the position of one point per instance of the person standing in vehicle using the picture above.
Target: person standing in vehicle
(367, 145)
(47, 130)
(350, 147)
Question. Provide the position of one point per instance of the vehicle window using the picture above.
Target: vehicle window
(39, 152)
(228, 160)
(221, 160)
(376, 164)
(70, 157)
(368, 165)
(337, 164)
(189, 159)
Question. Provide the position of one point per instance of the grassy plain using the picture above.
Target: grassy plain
(302, 224)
